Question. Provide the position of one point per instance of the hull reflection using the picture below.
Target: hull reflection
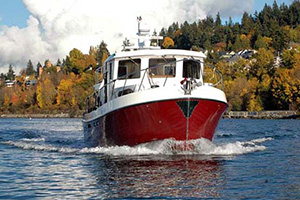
(163, 177)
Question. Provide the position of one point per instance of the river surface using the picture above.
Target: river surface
(248, 159)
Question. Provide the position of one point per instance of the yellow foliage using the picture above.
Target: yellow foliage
(39, 95)
(6, 99)
(168, 42)
(254, 103)
(104, 57)
(65, 92)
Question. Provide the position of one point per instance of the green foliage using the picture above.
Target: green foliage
(30, 70)
(102, 53)
(288, 58)
(266, 29)
(263, 42)
(10, 74)
(77, 62)
(264, 63)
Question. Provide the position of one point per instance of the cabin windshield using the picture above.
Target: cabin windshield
(162, 67)
(191, 69)
(129, 69)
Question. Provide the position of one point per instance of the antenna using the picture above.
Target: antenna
(139, 19)
(143, 38)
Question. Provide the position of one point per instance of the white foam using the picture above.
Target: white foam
(40, 147)
(33, 139)
(163, 147)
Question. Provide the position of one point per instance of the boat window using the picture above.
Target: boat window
(162, 67)
(129, 69)
(191, 69)
(111, 71)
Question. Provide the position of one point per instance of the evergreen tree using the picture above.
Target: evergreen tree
(10, 74)
(58, 63)
(276, 12)
(230, 23)
(218, 22)
(29, 69)
(102, 53)
(295, 13)
(247, 23)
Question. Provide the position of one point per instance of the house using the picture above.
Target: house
(9, 83)
(30, 82)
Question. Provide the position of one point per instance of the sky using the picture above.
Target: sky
(43, 29)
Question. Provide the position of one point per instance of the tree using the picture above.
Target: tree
(10, 74)
(247, 23)
(286, 88)
(58, 63)
(218, 22)
(263, 64)
(65, 97)
(263, 42)
(288, 58)
(102, 53)
(254, 102)
(237, 46)
(168, 43)
(46, 93)
(29, 69)
(244, 42)
(93, 52)
(76, 62)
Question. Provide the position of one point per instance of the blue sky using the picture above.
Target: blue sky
(14, 12)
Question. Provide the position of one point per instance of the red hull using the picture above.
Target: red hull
(156, 121)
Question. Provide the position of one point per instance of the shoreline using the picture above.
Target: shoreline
(61, 115)
(227, 115)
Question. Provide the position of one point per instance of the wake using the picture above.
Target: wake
(163, 147)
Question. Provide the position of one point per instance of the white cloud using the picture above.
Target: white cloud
(57, 26)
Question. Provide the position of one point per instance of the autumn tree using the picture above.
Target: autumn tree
(263, 42)
(264, 63)
(288, 58)
(65, 97)
(45, 93)
(168, 43)
(83, 87)
(284, 89)
(76, 62)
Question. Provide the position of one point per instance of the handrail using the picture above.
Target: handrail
(215, 74)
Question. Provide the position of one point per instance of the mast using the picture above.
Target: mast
(143, 40)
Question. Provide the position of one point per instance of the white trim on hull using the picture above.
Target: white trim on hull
(152, 95)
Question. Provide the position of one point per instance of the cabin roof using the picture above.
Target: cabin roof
(159, 52)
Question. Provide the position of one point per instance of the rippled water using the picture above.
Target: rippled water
(47, 159)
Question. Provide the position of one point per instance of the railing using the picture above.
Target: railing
(95, 100)
(260, 114)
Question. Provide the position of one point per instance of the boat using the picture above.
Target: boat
(144, 94)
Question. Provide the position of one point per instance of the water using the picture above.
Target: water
(249, 159)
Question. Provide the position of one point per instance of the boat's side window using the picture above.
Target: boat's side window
(111, 71)
(191, 69)
(129, 69)
(160, 67)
